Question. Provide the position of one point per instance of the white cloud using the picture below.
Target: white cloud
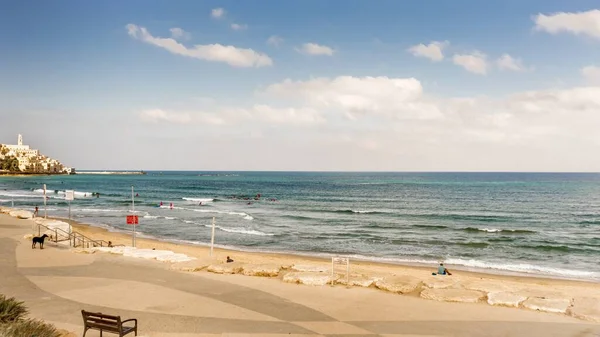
(157, 115)
(315, 49)
(236, 26)
(579, 23)
(358, 96)
(507, 62)
(591, 74)
(179, 34)
(475, 62)
(217, 13)
(432, 51)
(234, 56)
(274, 40)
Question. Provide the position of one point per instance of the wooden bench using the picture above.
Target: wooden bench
(108, 323)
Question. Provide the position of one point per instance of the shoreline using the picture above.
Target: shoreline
(124, 238)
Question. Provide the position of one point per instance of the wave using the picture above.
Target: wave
(170, 218)
(473, 244)
(432, 227)
(151, 216)
(525, 268)
(202, 200)
(351, 211)
(246, 216)
(241, 230)
(82, 194)
(496, 230)
(590, 222)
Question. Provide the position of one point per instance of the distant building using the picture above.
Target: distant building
(31, 160)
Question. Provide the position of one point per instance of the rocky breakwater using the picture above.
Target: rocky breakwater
(465, 289)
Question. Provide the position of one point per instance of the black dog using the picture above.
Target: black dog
(40, 240)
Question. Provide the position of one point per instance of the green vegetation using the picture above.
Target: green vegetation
(14, 324)
(10, 164)
(28, 327)
(11, 310)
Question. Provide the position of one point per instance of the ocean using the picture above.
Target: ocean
(545, 224)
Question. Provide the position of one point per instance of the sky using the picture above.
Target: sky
(312, 85)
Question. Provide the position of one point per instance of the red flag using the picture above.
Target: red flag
(132, 220)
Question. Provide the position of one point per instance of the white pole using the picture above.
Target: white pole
(133, 211)
(212, 237)
(332, 261)
(12, 203)
(69, 211)
(45, 212)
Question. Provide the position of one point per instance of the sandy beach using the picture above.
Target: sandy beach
(185, 299)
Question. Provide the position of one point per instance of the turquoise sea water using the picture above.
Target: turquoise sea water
(540, 223)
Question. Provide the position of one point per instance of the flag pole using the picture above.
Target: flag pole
(133, 211)
(212, 237)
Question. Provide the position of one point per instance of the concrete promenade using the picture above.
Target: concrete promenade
(57, 283)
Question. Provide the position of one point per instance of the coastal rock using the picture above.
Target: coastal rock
(453, 295)
(399, 284)
(174, 258)
(439, 282)
(311, 268)
(357, 280)
(192, 266)
(586, 308)
(505, 298)
(557, 305)
(20, 214)
(308, 278)
(266, 270)
(226, 268)
(491, 286)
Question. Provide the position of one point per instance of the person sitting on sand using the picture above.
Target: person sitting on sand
(229, 260)
(110, 244)
(35, 214)
(443, 270)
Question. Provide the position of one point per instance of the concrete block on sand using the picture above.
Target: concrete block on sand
(21, 214)
(453, 295)
(308, 278)
(587, 308)
(506, 299)
(226, 268)
(266, 270)
(192, 266)
(357, 280)
(312, 268)
(491, 286)
(439, 282)
(557, 305)
(399, 284)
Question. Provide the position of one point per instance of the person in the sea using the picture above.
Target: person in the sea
(443, 270)
(229, 260)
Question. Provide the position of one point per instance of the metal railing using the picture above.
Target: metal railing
(74, 238)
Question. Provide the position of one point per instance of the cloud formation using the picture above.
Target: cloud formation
(579, 23)
(475, 62)
(180, 34)
(274, 40)
(315, 49)
(217, 13)
(591, 74)
(237, 26)
(507, 62)
(432, 51)
(234, 56)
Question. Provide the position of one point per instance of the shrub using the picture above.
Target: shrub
(11, 310)
(28, 327)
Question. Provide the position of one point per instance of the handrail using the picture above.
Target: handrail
(73, 237)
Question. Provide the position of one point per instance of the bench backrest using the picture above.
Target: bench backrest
(97, 320)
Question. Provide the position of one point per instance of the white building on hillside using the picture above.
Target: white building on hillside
(31, 160)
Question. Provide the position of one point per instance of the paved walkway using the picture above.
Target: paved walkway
(56, 284)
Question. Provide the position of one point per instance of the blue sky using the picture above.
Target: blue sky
(71, 68)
